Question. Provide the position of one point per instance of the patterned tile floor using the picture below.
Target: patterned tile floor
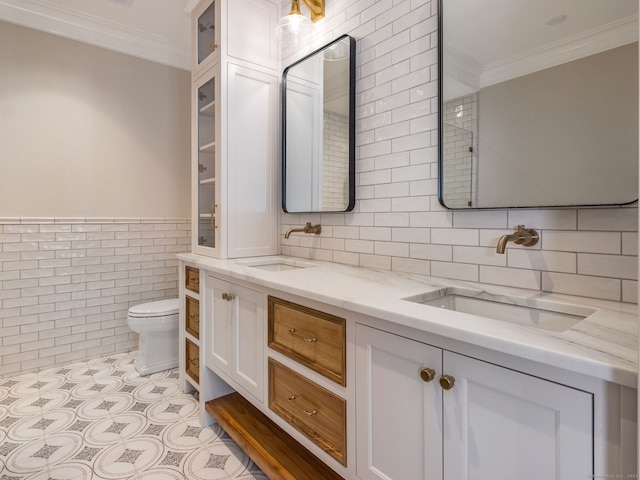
(101, 420)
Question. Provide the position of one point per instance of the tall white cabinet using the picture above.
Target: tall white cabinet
(235, 128)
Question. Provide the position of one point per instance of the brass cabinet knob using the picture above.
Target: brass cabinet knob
(447, 381)
(228, 296)
(213, 45)
(427, 374)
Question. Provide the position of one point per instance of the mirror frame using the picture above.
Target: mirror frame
(440, 142)
(352, 125)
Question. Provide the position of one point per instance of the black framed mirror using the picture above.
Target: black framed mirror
(318, 130)
(538, 103)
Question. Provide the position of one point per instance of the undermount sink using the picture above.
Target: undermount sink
(277, 264)
(528, 312)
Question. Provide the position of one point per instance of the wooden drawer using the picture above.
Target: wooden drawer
(192, 360)
(313, 410)
(313, 338)
(192, 279)
(192, 313)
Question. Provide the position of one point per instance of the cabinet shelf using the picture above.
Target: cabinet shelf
(207, 181)
(209, 109)
(278, 454)
(208, 148)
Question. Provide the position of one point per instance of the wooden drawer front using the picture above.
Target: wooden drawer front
(192, 279)
(193, 360)
(313, 410)
(312, 338)
(192, 312)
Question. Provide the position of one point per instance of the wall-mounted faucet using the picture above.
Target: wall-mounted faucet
(522, 236)
(308, 228)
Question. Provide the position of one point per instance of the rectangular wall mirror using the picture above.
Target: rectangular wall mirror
(538, 103)
(318, 130)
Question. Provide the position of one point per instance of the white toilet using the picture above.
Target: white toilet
(157, 325)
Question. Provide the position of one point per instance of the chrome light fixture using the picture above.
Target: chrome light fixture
(296, 23)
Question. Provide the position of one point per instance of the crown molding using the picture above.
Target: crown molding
(589, 43)
(57, 20)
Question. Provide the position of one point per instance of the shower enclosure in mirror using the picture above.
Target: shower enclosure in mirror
(538, 103)
(318, 128)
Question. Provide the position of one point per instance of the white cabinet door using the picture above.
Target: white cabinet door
(235, 324)
(398, 414)
(499, 423)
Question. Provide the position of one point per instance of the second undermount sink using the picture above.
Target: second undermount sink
(528, 312)
(277, 264)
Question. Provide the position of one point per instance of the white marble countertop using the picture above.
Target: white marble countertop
(603, 345)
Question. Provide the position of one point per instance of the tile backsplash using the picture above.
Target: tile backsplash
(398, 223)
(66, 284)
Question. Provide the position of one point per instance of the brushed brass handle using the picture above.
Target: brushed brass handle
(194, 317)
(427, 374)
(306, 412)
(292, 331)
(228, 296)
(213, 216)
(213, 45)
(447, 381)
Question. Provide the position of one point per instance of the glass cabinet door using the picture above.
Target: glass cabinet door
(206, 154)
(206, 37)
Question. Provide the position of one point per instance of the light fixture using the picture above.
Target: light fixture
(296, 23)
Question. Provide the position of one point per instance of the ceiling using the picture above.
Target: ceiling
(494, 40)
(156, 30)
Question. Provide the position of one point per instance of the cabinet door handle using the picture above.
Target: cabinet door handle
(213, 45)
(306, 412)
(427, 374)
(228, 296)
(447, 381)
(292, 331)
(194, 317)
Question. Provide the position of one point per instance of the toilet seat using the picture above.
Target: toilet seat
(161, 308)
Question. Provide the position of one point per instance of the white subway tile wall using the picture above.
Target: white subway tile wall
(398, 223)
(66, 284)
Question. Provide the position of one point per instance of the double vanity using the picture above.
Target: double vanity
(382, 375)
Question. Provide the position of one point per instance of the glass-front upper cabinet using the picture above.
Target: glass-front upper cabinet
(207, 162)
(206, 34)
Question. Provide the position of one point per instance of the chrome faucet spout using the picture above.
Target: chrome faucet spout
(522, 236)
(308, 228)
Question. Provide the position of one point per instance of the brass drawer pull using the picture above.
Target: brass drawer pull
(307, 412)
(213, 45)
(292, 331)
(195, 317)
(228, 296)
(447, 382)
(427, 374)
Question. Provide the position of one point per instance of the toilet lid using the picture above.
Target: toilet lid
(155, 309)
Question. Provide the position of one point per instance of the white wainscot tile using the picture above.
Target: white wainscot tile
(478, 255)
(375, 261)
(412, 173)
(630, 243)
(584, 286)
(375, 206)
(391, 219)
(630, 291)
(411, 235)
(548, 261)
(359, 219)
(489, 219)
(455, 236)
(614, 266)
(457, 271)
(393, 249)
(393, 160)
(441, 219)
(340, 231)
(431, 252)
(391, 190)
(359, 246)
(512, 277)
(543, 219)
(411, 265)
(376, 233)
(612, 219)
(589, 242)
(349, 258)
(409, 204)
